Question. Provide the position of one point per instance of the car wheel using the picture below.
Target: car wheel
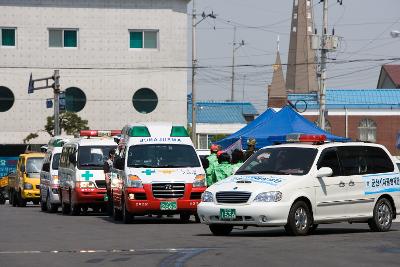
(21, 201)
(10, 197)
(15, 199)
(117, 214)
(382, 216)
(184, 217)
(65, 208)
(75, 209)
(127, 217)
(52, 208)
(221, 229)
(299, 219)
(43, 204)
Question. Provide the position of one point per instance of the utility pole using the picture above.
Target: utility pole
(56, 90)
(194, 67)
(194, 63)
(324, 51)
(235, 46)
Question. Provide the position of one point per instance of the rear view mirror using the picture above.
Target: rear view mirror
(324, 172)
(22, 169)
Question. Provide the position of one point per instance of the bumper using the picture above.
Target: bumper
(31, 194)
(258, 214)
(185, 204)
(89, 196)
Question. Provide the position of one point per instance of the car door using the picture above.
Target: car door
(373, 164)
(331, 192)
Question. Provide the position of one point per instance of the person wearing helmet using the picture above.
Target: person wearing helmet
(223, 169)
(251, 147)
(212, 163)
(237, 159)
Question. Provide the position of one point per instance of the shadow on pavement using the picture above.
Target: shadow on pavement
(150, 220)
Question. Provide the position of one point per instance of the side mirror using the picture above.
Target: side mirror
(72, 158)
(324, 172)
(22, 168)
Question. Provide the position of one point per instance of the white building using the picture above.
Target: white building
(107, 51)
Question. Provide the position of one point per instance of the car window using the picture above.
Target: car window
(34, 165)
(353, 160)
(93, 157)
(56, 161)
(280, 160)
(378, 161)
(329, 158)
(163, 156)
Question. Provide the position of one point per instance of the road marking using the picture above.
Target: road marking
(162, 250)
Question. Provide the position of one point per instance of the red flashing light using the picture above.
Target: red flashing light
(312, 138)
(97, 133)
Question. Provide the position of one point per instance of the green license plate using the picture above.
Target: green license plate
(168, 205)
(227, 214)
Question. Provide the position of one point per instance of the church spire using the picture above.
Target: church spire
(277, 96)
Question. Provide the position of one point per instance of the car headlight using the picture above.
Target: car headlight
(273, 196)
(200, 181)
(28, 186)
(85, 184)
(207, 197)
(134, 181)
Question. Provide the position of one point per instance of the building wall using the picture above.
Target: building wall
(102, 65)
(388, 126)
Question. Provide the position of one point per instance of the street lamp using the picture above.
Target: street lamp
(194, 66)
(235, 47)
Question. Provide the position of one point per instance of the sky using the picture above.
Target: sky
(363, 25)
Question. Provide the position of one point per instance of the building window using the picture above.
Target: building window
(6, 99)
(8, 37)
(75, 99)
(296, 2)
(295, 16)
(367, 130)
(205, 141)
(145, 100)
(63, 38)
(143, 39)
(308, 15)
(294, 29)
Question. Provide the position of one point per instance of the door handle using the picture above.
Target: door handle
(351, 183)
(342, 184)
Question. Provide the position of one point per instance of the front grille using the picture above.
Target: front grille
(37, 186)
(195, 195)
(101, 183)
(232, 197)
(168, 190)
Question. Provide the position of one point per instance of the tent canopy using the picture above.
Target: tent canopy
(260, 120)
(286, 121)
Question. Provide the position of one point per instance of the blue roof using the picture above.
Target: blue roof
(351, 98)
(222, 112)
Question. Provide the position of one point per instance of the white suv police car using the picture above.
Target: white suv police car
(301, 185)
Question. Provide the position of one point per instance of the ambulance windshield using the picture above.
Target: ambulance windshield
(162, 156)
(93, 157)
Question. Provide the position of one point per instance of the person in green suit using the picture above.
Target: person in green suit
(223, 169)
(212, 163)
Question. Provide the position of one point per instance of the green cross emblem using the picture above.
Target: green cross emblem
(148, 172)
(87, 175)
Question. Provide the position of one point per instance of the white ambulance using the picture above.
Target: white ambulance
(305, 183)
(81, 174)
(156, 171)
(49, 200)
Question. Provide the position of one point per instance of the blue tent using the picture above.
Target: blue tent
(286, 121)
(260, 120)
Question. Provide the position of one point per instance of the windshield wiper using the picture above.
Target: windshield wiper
(141, 166)
(271, 172)
(90, 165)
(245, 172)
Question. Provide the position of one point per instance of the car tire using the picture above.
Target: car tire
(43, 204)
(75, 209)
(21, 201)
(15, 199)
(117, 214)
(299, 219)
(10, 197)
(52, 208)
(127, 217)
(65, 208)
(184, 217)
(221, 229)
(382, 216)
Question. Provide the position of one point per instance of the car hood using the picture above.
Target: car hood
(252, 183)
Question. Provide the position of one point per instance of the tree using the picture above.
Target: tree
(70, 122)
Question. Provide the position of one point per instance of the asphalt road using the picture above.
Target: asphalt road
(30, 237)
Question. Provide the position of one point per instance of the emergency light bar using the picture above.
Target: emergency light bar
(99, 133)
(292, 138)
